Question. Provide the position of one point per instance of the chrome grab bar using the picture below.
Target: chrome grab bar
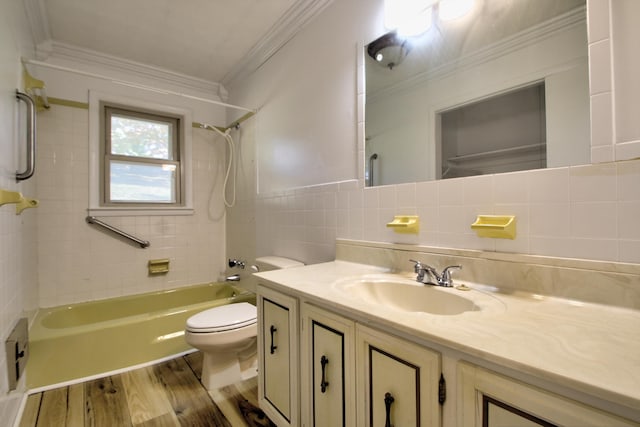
(93, 220)
(31, 136)
(373, 157)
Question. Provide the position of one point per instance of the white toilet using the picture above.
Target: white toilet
(226, 335)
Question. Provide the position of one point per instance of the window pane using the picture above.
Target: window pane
(141, 138)
(144, 183)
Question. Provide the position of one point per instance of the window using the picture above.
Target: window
(141, 162)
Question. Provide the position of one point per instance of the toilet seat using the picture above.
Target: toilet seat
(223, 318)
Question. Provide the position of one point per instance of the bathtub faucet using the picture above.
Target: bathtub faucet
(236, 263)
(233, 278)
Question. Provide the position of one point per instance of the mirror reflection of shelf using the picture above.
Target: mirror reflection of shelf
(505, 152)
(530, 156)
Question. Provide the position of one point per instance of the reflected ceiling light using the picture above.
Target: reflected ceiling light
(408, 17)
(417, 24)
(453, 9)
(414, 17)
(389, 50)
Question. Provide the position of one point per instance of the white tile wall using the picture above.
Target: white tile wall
(602, 120)
(78, 262)
(587, 212)
(18, 255)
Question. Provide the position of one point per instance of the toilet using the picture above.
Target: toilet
(227, 335)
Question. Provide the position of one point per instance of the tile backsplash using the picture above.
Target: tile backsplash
(586, 212)
(601, 282)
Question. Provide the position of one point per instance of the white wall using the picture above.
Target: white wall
(305, 94)
(18, 255)
(581, 212)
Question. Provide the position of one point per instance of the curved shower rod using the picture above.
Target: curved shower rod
(136, 85)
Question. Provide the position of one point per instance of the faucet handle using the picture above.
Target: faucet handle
(418, 269)
(446, 275)
(417, 265)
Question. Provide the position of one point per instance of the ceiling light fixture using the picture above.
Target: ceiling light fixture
(389, 50)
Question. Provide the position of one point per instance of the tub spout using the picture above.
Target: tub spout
(233, 278)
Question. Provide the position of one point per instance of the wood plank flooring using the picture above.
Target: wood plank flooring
(167, 394)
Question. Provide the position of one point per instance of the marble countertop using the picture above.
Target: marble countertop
(588, 347)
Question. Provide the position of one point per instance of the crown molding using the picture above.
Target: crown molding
(53, 51)
(296, 18)
(299, 15)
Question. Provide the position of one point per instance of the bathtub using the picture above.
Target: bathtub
(87, 339)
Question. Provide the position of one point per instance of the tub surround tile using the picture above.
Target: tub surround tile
(62, 188)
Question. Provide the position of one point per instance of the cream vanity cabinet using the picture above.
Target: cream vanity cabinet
(397, 381)
(327, 367)
(278, 355)
(488, 399)
(322, 369)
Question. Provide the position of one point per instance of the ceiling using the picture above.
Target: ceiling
(208, 39)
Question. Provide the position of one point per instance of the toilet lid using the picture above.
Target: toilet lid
(223, 318)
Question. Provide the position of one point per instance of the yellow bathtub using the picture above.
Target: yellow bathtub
(88, 339)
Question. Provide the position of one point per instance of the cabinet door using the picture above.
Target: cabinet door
(488, 399)
(327, 367)
(277, 351)
(398, 380)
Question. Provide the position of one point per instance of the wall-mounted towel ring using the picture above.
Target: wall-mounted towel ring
(31, 136)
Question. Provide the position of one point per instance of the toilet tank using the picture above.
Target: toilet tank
(265, 263)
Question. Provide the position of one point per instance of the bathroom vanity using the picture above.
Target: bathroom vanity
(336, 349)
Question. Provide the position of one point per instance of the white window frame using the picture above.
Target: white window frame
(96, 157)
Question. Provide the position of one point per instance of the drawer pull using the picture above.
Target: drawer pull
(324, 383)
(388, 400)
(273, 330)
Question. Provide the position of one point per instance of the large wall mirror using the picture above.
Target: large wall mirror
(503, 88)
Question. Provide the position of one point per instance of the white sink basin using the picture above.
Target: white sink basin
(403, 294)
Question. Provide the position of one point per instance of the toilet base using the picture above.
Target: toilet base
(223, 369)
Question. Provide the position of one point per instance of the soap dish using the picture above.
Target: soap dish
(495, 226)
(409, 224)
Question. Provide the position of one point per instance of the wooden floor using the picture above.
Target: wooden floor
(167, 394)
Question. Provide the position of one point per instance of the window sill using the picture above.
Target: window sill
(140, 211)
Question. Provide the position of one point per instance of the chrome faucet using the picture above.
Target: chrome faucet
(443, 279)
